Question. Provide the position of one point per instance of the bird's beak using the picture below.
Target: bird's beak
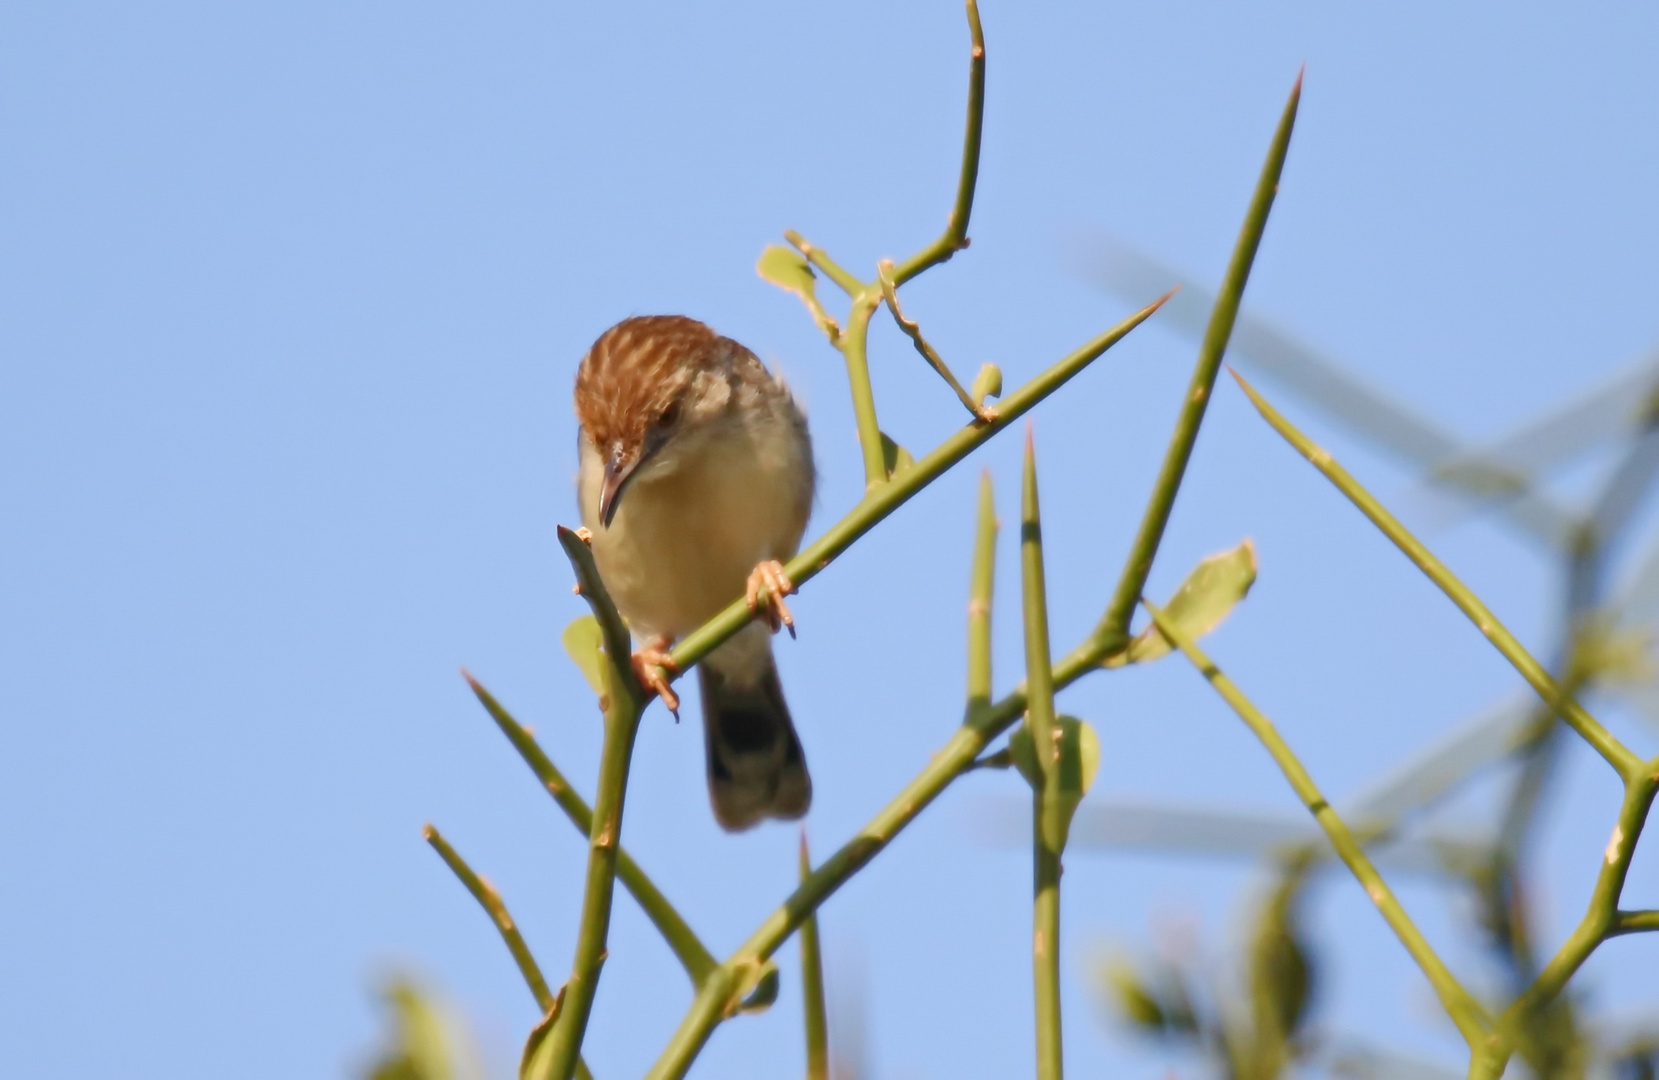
(618, 471)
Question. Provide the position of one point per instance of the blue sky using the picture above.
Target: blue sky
(294, 295)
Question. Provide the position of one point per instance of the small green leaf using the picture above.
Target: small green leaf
(538, 1038)
(1213, 589)
(1283, 980)
(789, 271)
(765, 993)
(1281, 972)
(422, 1044)
(987, 384)
(1622, 657)
(1079, 756)
(756, 988)
(1077, 763)
(1025, 757)
(1132, 997)
(895, 457)
(584, 641)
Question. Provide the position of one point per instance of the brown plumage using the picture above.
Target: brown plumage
(637, 369)
(696, 483)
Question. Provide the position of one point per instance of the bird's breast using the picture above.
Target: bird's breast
(690, 528)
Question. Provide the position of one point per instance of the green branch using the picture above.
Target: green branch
(955, 236)
(1049, 816)
(1602, 920)
(1464, 1010)
(623, 701)
(881, 501)
(854, 347)
(1114, 624)
(617, 640)
(1634, 922)
(812, 988)
(1045, 947)
(692, 954)
(1625, 763)
(913, 331)
(830, 268)
(490, 900)
(1039, 667)
(854, 342)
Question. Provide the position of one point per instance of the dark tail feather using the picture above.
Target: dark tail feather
(755, 763)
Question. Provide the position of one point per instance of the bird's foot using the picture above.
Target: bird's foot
(769, 576)
(652, 665)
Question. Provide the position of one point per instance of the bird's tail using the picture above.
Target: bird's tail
(755, 763)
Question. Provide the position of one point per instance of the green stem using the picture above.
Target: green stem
(618, 643)
(490, 900)
(1624, 762)
(1634, 922)
(623, 702)
(955, 236)
(979, 598)
(1464, 1010)
(1542, 751)
(1200, 388)
(812, 988)
(882, 500)
(1039, 671)
(1045, 947)
(828, 266)
(913, 330)
(1602, 918)
(692, 954)
(565, 1041)
(854, 345)
(1486, 1064)
(1048, 811)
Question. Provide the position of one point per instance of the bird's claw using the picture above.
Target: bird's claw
(652, 665)
(769, 576)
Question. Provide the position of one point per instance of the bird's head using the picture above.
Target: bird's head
(644, 390)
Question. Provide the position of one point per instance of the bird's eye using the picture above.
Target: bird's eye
(668, 416)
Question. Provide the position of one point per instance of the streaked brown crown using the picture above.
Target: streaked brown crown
(637, 369)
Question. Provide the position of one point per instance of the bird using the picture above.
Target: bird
(695, 484)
